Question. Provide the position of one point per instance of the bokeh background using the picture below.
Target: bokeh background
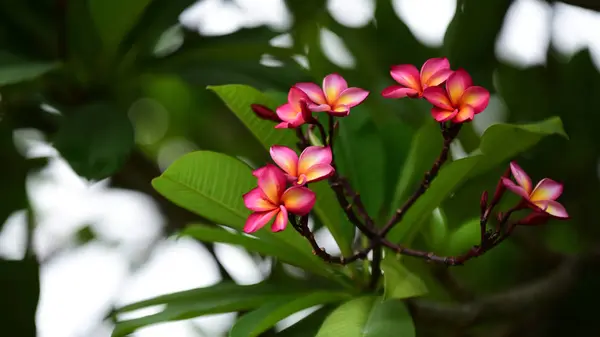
(105, 242)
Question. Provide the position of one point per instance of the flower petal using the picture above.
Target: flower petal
(547, 189)
(286, 158)
(256, 201)
(521, 177)
(438, 97)
(299, 200)
(287, 112)
(432, 66)
(465, 114)
(442, 115)
(257, 220)
(314, 155)
(318, 172)
(272, 182)
(281, 220)
(340, 110)
(258, 171)
(319, 107)
(518, 190)
(396, 91)
(313, 91)
(333, 85)
(477, 97)
(283, 125)
(556, 209)
(407, 75)
(352, 97)
(295, 95)
(456, 85)
(438, 78)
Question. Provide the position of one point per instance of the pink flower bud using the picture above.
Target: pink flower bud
(265, 113)
(483, 202)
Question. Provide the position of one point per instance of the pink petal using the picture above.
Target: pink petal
(287, 112)
(340, 110)
(352, 97)
(466, 113)
(333, 85)
(556, 209)
(521, 177)
(443, 115)
(257, 220)
(286, 158)
(314, 92)
(318, 108)
(477, 97)
(407, 75)
(299, 200)
(546, 189)
(318, 172)
(438, 78)
(281, 220)
(283, 125)
(314, 155)
(437, 96)
(272, 182)
(256, 201)
(432, 66)
(295, 95)
(258, 171)
(396, 91)
(456, 85)
(518, 190)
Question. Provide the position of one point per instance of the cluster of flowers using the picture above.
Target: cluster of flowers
(281, 190)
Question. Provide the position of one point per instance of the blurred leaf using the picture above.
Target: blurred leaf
(308, 326)
(14, 69)
(399, 282)
(360, 157)
(220, 298)
(19, 290)
(82, 42)
(258, 321)
(463, 238)
(95, 139)
(239, 98)
(275, 249)
(114, 19)
(369, 317)
(437, 230)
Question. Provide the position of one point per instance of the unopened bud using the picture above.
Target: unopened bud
(265, 113)
(306, 113)
(483, 203)
(500, 188)
(535, 219)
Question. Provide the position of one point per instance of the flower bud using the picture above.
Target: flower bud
(306, 113)
(265, 113)
(483, 203)
(500, 188)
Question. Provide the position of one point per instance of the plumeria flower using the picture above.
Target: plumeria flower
(335, 97)
(542, 198)
(313, 165)
(412, 82)
(271, 200)
(291, 112)
(461, 100)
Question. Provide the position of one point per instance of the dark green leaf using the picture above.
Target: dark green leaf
(256, 322)
(14, 69)
(19, 289)
(308, 326)
(399, 282)
(239, 98)
(463, 238)
(369, 317)
(95, 139)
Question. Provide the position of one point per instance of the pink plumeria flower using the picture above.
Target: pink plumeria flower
(412, 82)
(542, 198)
(271, 200)
(461, 100)
(335, 97)
(313, 165)
(291, 112)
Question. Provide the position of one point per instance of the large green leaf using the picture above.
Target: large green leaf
(499, 143)
(239, 98)
(369, 317)
(265, 317)
(14, 69)
(399, 282)
(95, 139)
(220, 298)
(19, 289)
(309, 325)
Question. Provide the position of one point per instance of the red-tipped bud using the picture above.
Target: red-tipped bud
(535, 219)
(306, 113)
(483, 203)
(500, 188)
(265, 113)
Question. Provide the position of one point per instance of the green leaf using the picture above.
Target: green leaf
(220, 298)
(437, 230)
(463, 238)
(308, 326)
(369, 317)
(399, 282)
(271, 248)
(95, 139)
(265, 317)
(239, 98)
(15, 70)
(115, 18)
